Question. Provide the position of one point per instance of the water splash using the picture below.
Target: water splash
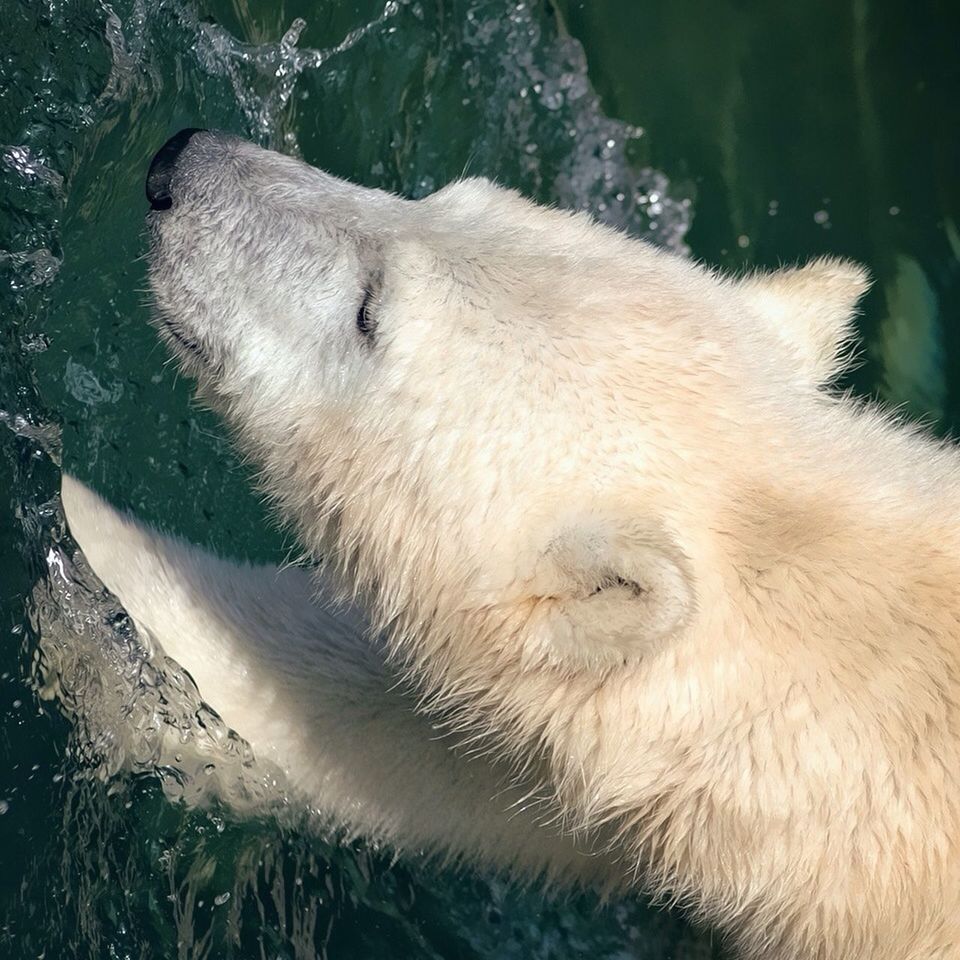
(264, 75)
(44, 434)
(543, 101)
(132, 708)
(527, 84)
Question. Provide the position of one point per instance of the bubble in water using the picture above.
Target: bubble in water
(34, 343)
(23, 161)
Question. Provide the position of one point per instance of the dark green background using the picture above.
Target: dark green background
(779, 130)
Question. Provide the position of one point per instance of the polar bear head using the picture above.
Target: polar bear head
(526, 439)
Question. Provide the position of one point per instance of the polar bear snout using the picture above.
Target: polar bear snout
(163, 167)
(198, 168)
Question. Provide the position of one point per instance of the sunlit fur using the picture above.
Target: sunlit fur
(625, 552)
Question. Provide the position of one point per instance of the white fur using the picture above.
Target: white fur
(629, 555)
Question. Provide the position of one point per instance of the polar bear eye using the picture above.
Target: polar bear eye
(366, 322)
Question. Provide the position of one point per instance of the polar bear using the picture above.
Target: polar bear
(627, 598)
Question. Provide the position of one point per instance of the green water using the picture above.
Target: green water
(745, 133)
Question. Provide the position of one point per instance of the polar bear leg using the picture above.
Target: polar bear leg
(310, 692)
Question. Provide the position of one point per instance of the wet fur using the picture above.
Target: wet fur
(686, 620)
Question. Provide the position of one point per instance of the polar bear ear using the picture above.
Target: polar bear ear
(622, 590)
(812, 309)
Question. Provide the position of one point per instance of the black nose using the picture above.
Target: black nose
(162, 166)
